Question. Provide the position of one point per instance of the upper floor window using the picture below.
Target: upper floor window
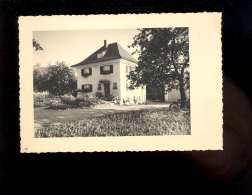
(108, 69)
(86, 72)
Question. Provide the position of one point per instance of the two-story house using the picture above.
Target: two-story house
(105, 71)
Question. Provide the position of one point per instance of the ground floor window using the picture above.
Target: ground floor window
(114, 85)
(99, 86)
(87, 88)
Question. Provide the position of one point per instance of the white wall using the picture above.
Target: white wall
(118, 76)
(174, 95)
(96, 76)
(130, 93)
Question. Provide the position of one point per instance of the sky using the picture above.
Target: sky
(74, 46)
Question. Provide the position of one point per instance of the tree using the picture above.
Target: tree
(36, 45)
(163, 59)
(39, 78)
(58, 79)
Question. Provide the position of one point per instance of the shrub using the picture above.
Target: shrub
(55, 104)
(39, 104)
(113, 97)
(40, 98)
(88, 101)
(98, 94)
(69, 100)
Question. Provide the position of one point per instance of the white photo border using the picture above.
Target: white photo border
(205, 83)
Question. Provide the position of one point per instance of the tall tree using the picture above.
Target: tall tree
(39, 78)
(58, 79)
(36, 45)
(163, 59)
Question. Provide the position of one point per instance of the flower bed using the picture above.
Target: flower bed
(42, 99)
(133, 123)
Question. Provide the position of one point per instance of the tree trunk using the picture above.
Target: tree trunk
(182, 95)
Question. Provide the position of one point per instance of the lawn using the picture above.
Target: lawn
(127, 123)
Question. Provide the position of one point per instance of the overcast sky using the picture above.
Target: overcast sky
(74, 46)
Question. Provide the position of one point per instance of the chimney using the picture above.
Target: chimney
(105, 43)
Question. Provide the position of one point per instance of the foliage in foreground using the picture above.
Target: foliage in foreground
(43, 99)
(133, 123)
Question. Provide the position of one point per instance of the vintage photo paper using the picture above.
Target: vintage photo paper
(130, 82)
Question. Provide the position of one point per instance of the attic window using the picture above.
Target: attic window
(104, 52)
(99, 55)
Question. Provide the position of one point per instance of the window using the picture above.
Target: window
(99, 55)
(108, 69)
(86, 88)
(99, 86)
(86, 72)
(114, 85)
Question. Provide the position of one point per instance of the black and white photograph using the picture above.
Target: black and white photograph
(120, 82)
(126, 82)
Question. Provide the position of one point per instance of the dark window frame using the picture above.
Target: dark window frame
(115, 86)
(106, 72)
(87, 90)
(86, 74)
(99, 86)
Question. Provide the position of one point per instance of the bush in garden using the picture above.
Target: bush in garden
(69, 100)
(55, 104)
(39, 104)
(88, 101)
(113, 97)
(98, 94)
(40, 98)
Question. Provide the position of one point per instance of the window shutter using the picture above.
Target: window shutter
(111, 68)
(101, 70)
(90, 71)
(82, 72)
(82, 86)
(90, 86)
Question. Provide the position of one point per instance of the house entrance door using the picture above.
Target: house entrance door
(107, 89)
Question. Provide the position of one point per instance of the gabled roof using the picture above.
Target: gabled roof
(114, 51)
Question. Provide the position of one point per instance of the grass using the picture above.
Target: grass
(131, 123)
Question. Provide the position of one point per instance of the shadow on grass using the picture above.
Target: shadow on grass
(44, 117)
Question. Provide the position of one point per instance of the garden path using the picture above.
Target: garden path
(45, 117)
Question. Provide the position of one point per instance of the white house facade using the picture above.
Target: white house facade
(106, 71)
